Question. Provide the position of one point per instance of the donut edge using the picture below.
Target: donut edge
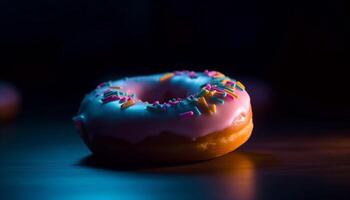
(170, 147)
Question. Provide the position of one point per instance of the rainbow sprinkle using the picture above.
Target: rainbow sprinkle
(127, 104)
(212, 108)
(211, 73)
(219, 89)
(166, 77)
(211, 95)
(240, 86)
(225, 81)
(203, 104)
(219, 75)
(203, 92)
(186, 114)
(208, 86)
(197, 111)
(115, 87)
(229, 89)
(229, 83)
(123, 99)
(220, 94)
(110, 93)
(110, 99)
(216, 99)
(229, 93)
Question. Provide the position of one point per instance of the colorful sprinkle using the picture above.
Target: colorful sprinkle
(192, 100)
(220, 94)
(205, 101)
(230, 82)
(203, 104)
(110, 99)
(115, 87)
(203, 92)
(212, 93)
(216, 99)
(231, 93)
(166, 77)
(225, 81)
(211, 73)
(219, 75)
(123, 99)
(229, 89)
(212, 108)
(240, 86)
(186, 115)
(230, 96)
(127, 104)
(197, 111)
(208, 86)
(108, 93)
(219, 89)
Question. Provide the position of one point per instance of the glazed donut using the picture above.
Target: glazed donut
(172, 117)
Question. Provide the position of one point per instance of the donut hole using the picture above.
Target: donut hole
(161, 93)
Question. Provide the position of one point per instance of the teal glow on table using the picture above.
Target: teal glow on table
(42, 158)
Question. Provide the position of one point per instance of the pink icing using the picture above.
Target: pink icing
(136, 123)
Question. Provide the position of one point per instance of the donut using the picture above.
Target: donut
(180, 116)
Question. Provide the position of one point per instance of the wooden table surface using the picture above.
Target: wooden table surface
(45, 159)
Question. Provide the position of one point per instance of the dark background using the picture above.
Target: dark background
(56, 51)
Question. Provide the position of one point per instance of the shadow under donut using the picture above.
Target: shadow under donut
(227, 164)
(232, 176)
